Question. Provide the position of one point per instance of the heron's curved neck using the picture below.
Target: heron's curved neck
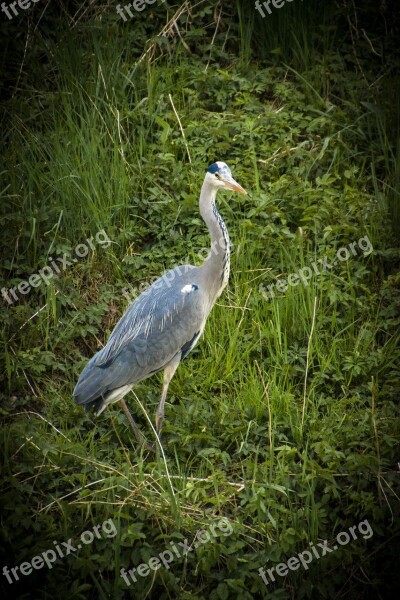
(216, 265)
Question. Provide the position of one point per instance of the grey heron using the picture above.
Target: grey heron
(165, 322)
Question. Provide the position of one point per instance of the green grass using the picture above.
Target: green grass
(284, 419)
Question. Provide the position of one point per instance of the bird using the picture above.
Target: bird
(165, 322)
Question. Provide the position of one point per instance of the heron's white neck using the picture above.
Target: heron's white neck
(216, 265)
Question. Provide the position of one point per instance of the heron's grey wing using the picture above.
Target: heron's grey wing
(171, 307)
(165, 320)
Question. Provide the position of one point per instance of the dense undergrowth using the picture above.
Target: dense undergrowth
(285, 418)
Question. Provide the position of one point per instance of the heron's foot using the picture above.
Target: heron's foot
(143, 443)
(146, 445)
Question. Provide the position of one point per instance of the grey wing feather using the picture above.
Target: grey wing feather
(162, 322)
(153, 313)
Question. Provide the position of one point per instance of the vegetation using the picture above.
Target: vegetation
(285, 419)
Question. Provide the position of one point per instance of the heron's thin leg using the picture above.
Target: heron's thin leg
(138, 434)
(168, 375)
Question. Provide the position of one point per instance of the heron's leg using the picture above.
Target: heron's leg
(138, 434)
(168, 375)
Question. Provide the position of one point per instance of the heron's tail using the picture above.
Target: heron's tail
(99, 386)
(97, 404)
(92, 390)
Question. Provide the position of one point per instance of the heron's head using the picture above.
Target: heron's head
(220, 176)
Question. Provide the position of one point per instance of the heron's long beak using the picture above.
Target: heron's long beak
(231, 184)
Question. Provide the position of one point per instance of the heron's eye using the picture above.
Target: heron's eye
(217, 175)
